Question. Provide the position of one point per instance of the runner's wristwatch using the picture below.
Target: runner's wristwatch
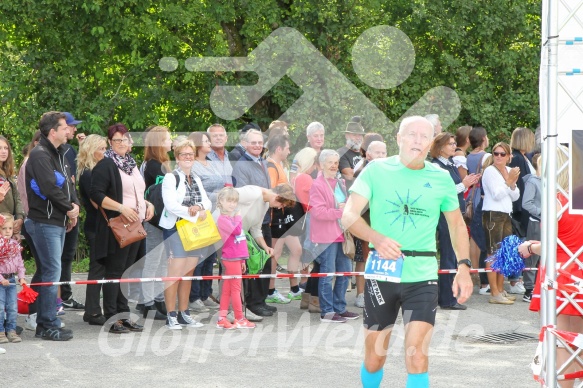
(466, 262)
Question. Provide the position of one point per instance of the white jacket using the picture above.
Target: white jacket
(173, 197)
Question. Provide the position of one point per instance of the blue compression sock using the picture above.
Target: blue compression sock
(370, 379)
(418, 380)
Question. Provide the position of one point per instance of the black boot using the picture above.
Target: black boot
(156, 313)
(161, 307)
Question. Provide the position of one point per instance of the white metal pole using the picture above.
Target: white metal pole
(549, 227)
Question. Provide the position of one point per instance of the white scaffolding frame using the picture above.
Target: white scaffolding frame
(562, 30)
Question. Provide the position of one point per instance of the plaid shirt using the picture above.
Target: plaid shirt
(193, 197)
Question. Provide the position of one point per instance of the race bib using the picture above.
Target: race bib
(240, 238)
(384, 270)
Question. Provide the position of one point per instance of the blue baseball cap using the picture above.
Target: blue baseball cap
(71, 120)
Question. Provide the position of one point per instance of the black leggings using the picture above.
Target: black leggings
(312, 284)
(114, 301)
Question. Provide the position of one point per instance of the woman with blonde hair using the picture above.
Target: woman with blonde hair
(201, 292)
(91, 151)
(522, 142)
(186, 200)
(306, 161)
(570, 233)
(157, 164)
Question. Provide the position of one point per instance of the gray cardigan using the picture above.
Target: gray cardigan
(531, 200)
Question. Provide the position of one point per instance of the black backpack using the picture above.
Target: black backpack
(153, 194)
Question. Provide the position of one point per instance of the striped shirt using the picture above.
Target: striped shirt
(12, 263)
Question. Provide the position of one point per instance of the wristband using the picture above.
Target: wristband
(120, 207)
(530, 248)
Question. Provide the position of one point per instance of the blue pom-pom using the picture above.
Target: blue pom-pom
(506, 260)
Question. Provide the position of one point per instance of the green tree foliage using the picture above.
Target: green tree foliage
(99, 59)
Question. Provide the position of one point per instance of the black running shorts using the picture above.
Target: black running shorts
(382, 301)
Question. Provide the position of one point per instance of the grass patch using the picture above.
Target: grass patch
(78, 266)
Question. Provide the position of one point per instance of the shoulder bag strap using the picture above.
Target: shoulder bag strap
(14, 194)
(104, 216)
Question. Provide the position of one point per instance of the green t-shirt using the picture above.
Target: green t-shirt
(405, 205)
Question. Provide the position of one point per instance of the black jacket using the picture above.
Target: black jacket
(105, 182)
(44, 161)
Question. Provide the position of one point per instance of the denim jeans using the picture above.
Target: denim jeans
(333, 259)
(155, 265)
(8, 302)
(202, 289)
(48, 241)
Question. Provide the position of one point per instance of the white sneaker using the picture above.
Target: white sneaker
(198, 306)
(210, 303)
(359, 302)
(2, 350)
(484, 291)
(184, 319)
(518, 288)
(249, 315)
(172, 322)
(30, 322)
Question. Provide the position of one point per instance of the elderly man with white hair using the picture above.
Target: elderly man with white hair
(401, 271)
(315, 134)
(376, 149)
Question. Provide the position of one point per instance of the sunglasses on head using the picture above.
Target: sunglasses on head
(503, 154)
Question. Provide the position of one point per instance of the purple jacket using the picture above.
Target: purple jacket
(324, 216)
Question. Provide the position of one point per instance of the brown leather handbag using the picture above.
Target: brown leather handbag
(125, 232)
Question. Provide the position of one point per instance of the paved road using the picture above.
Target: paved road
(291, 349)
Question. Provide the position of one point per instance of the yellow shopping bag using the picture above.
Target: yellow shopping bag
(199, 234)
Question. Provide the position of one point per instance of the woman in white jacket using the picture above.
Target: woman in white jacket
(187, 200)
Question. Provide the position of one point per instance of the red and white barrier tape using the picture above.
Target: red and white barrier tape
(219, 277)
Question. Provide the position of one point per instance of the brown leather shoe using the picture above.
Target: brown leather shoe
(305, 302)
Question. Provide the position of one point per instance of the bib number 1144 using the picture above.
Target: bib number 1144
(378, 268)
